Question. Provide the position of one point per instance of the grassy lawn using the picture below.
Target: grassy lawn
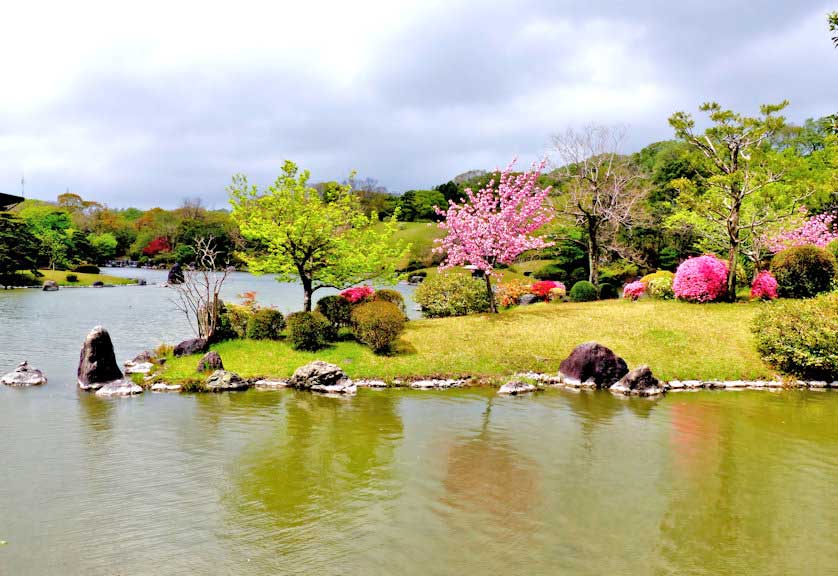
(84, 279)
(678, 341)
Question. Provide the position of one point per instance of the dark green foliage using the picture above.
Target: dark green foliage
(265, 324)
(392, 296)
(577, 275)
(800, 337)
(668, 258)
(308, 331)
(336, 309)
(451, 294)
(18, 248)
(378, 324)
(583, 291)
(832, 247)
(607, 291)
(72, 278)
(803, 271)
(618, 273)
(551, 271)
(86, 269)
(235, 317)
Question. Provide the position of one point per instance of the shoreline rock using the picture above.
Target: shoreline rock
(592, 365)
(320, 376)
(97, 362)
(516, 387)
(24, 376)
(638, 382)
(225, 381)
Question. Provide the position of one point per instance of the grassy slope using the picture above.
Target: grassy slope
(678, 340)
(84, 279)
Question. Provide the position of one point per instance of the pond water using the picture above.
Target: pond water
(396, 481)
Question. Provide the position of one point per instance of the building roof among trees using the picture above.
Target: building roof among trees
(8, 201)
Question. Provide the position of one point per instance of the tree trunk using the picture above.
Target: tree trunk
(593, 259)
(307, 293)
(733, 251)
(492, 307)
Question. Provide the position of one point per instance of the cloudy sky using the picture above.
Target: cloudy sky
(161, 101)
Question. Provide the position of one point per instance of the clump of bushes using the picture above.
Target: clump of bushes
(265, 324)
(583, 291)
(543, 288)
(701, 279)
(509, 293)
(800, 337)
(377, 324)
(85, 268)
(308, 331)
(659, 284)
(607, 291)
(336, 309)
(764, 286)
(634, 290)
(558, 293)
(803, 271)
(550, 271)
(451, 294)
(72, 278)
(392, 296)
(618, 272)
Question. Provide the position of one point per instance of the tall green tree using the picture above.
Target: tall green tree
(18, 248)
(302, 236)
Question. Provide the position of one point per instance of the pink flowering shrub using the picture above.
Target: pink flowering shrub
(542, 288)
(818, 231)
(701, 279)
(358, 294)
(764, 286)
(634, 290)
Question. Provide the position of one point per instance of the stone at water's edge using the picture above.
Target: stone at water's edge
(193, 346)
(119, 388)
(321, 376)
(97, 363)
(23, 375)
(50, 286)
(638, 382)
(210, 362)
(516, 387)
(224, 381)
(593, 363)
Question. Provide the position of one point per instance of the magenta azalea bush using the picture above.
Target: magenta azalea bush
(764, 286)
(634, 290)
(358, 293)
(542, 288)
(818, 230)
(701, 279)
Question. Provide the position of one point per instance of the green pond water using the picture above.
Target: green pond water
(392, 482)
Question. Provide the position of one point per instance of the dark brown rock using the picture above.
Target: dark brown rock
(210, 362)
(638, 382)
(592, 362)
(194, 346)
(97, 362)
(50, 286)
(224, 381)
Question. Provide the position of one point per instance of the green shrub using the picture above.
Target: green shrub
(577, 275)
(659, 284)
(551, 271)
(800, 337)
(832, 247)
(86, 269)
(223, 326)
(803, 271)
(72, 278)
(377, 324)
(607, 291)
(618, 273)
(307, 330)
(336, 309)
(583, 291)
(392, 296)
(265, 324)
(236, 317)
(451, 294)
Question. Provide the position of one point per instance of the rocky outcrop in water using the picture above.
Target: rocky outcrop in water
(24, 375)
(225, 381)
(50, 286)
(592, 365)
(320, 376)
(210, 362)
(119, 388)
(193, 346)
(516, 387)
(638, 382)
(175, 274)
(97, 363)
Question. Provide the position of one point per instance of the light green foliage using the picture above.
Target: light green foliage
(659, 284)
(451, 294)
(302, 237)
(393, 296)
(104, 245)
(378, 324)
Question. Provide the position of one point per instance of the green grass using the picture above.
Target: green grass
(60, 276)
(420, 236)
(678, 341)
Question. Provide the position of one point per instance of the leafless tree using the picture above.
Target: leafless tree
(192, 208)
(602, 189)
(198, 295)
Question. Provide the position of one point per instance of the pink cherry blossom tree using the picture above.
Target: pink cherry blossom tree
(496, 224)
(817, 230)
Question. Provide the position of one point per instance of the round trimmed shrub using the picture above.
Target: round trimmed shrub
(392, 296)
(659, 284)
(72, 278)
(86, 269)
(336, 309)
(701, 279)
(451, 294)
(764, 286)
(800, 337)
(607, 291)
(634, 290)
(307, 331)
(803, 271)
(583, 291)
(377, 324)
(265, 324)
(236, 317)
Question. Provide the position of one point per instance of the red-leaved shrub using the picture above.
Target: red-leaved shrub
(702, 279)
(160, 244)
(542, 288)
(764, 286)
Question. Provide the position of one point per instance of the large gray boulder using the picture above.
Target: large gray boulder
(50, 286)
(594, 364)
(638, 382)
(194, 346)
(516, 387)
(210, 362)
(321, 376)
(23, 375)
(119, 388)
(225, 381)
(97, 362)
